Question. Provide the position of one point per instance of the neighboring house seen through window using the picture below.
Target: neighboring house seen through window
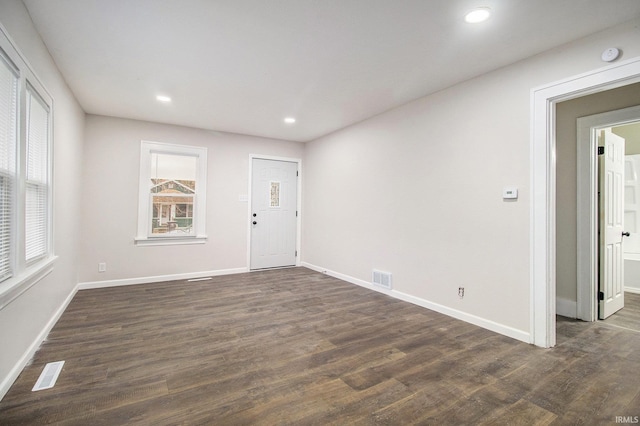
(172, 194)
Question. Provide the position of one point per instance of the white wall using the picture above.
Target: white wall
(24, 319)
(110, 185)
(417, 190)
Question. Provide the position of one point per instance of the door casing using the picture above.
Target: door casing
(543, 185)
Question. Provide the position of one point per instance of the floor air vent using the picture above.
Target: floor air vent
(48, 376)
(382, 279)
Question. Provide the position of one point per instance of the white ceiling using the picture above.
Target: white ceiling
(243, 65)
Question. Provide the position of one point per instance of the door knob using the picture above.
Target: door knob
(625, 234)
(255, 223)
(254, 215)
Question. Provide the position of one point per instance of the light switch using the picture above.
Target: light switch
(510, 193)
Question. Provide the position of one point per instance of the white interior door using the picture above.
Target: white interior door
(274, 189)
(611, 225)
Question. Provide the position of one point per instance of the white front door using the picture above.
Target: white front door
(611, 225)
(274, 189)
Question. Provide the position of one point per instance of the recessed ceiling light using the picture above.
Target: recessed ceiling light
(163, 98)
(477, 15)
(289, 120)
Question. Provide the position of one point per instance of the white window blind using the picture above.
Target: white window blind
(8, 146)
(37, 182)
(26, 121)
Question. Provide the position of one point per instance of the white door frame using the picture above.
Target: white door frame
(298, 161)
(543, 185)
(587, 213)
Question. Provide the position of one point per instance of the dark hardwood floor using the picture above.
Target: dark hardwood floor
(297, 347)
(629, 316)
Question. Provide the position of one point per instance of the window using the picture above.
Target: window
(8, 145)
(171, 208)
(26, 253)
(37, 177)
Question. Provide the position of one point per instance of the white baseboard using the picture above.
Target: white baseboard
(8, 381)
(454, 313)
(159, 278)
(346, 278)
(633, 290)
(566, 308)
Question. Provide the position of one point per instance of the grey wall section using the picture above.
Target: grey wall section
(417, 191)
(567, 114)
(24, 319)
(110, 182)
(631, 135)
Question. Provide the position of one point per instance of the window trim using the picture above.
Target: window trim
(26, 274)
(12, 288)
(47, 184)
(12, 176)
(145, 210)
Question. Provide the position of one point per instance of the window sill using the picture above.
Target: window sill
(15, 286)
(170, 241)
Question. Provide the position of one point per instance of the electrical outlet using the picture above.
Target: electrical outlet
(460, 292)
(102, 267)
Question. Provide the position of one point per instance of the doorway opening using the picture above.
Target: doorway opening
(543, 185)
(589, 248)
(608, 228)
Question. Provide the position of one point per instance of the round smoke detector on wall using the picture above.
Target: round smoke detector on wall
(610, 55)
